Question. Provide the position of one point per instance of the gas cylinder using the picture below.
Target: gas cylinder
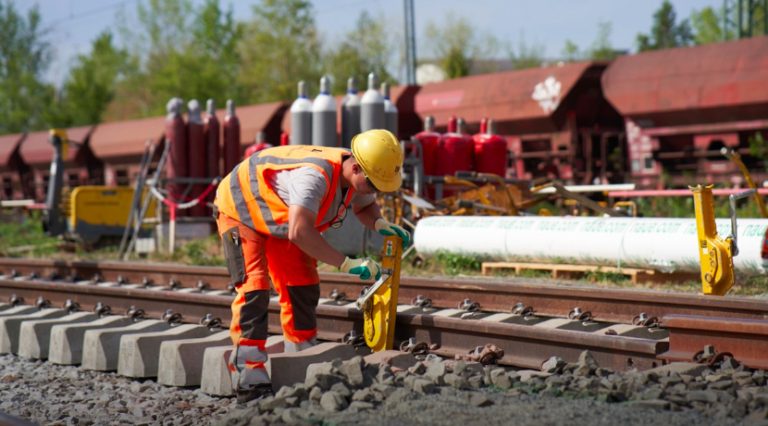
(260, 145)
(490, 150)
(285, 139)
(231, 138)
(390, 110)
(301, 118)
(372, 107)
(197, 151)
(455, 150)
(212, 136)
(350, 114)
(176, 137)
(429, 140)
(324, 116)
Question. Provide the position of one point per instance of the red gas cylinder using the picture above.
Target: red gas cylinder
(284, 139)
(490, 150)
(429, 140)
(176, 137)
(212, 141)
(231, 152)
(197, 153)
(212, 134)
(455, 150)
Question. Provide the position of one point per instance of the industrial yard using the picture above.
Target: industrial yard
(342, 237)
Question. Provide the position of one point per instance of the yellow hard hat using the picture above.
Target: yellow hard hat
(379, 154)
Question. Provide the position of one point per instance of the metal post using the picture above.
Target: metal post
(410, 44)
(54, 222)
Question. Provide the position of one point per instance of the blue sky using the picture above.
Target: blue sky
(72, 24)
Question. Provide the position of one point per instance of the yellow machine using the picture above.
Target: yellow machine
(379, 302)
(96, 212)
(715, 252)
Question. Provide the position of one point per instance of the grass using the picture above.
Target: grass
(22, 236)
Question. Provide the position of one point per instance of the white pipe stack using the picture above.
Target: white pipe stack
(663, 244)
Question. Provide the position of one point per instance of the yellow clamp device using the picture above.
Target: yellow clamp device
(379, 302)
(715, 253)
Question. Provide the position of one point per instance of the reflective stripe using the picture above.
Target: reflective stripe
(249, 354)
(237, 198)
(297, 347)
(280, 230)
(250, 377)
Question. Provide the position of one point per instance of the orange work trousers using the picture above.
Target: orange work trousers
(253, 259)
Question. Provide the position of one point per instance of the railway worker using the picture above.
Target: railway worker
(271, 210)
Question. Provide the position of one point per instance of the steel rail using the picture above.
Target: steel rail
(615, 305)
(524, 346)
(744, 340)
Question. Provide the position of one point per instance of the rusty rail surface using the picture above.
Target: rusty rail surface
(691, 337)
(616, 305)
(734, 325)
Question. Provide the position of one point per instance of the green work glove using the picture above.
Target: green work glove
(365, 268)
(387, 228)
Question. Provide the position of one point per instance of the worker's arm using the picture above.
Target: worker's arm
(368, 215)
(302, 232)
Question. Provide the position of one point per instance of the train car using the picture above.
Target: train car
(120, 146)
(681, 106)
(556, 120)
(15, 174)
(80, 164)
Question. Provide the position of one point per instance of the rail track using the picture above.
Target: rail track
(530, 321)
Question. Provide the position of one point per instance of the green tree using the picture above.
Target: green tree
(91, 83)
(571, 51)
(602, 50)
(367, 48)
(280, 46)
(181, 53)
(526, 55)
(458, 47)
(707, 26)
(666, 32)
(24, 57)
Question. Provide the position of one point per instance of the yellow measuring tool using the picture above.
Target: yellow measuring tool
(379, 302)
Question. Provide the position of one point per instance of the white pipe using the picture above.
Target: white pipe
(659, 243)
(592, 188)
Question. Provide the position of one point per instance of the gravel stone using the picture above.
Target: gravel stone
(554, 364)
(500, 379)
(333, 401)
(436, 372)
(352, 371)
(61, 395)
(456, 381)
(315, 394)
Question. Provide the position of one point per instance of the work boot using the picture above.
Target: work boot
(255, 392)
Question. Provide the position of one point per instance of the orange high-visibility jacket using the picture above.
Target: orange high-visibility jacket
(246, 194)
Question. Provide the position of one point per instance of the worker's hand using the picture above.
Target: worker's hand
(365, 268)
(387, 228)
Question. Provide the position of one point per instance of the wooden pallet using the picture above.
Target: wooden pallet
(571, 271)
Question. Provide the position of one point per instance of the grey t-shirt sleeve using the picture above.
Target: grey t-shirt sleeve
(303, 186)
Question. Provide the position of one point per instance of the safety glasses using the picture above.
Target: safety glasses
(341, 214)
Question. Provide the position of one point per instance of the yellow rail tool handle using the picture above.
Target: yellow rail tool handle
(379, 303)
(715, 252)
